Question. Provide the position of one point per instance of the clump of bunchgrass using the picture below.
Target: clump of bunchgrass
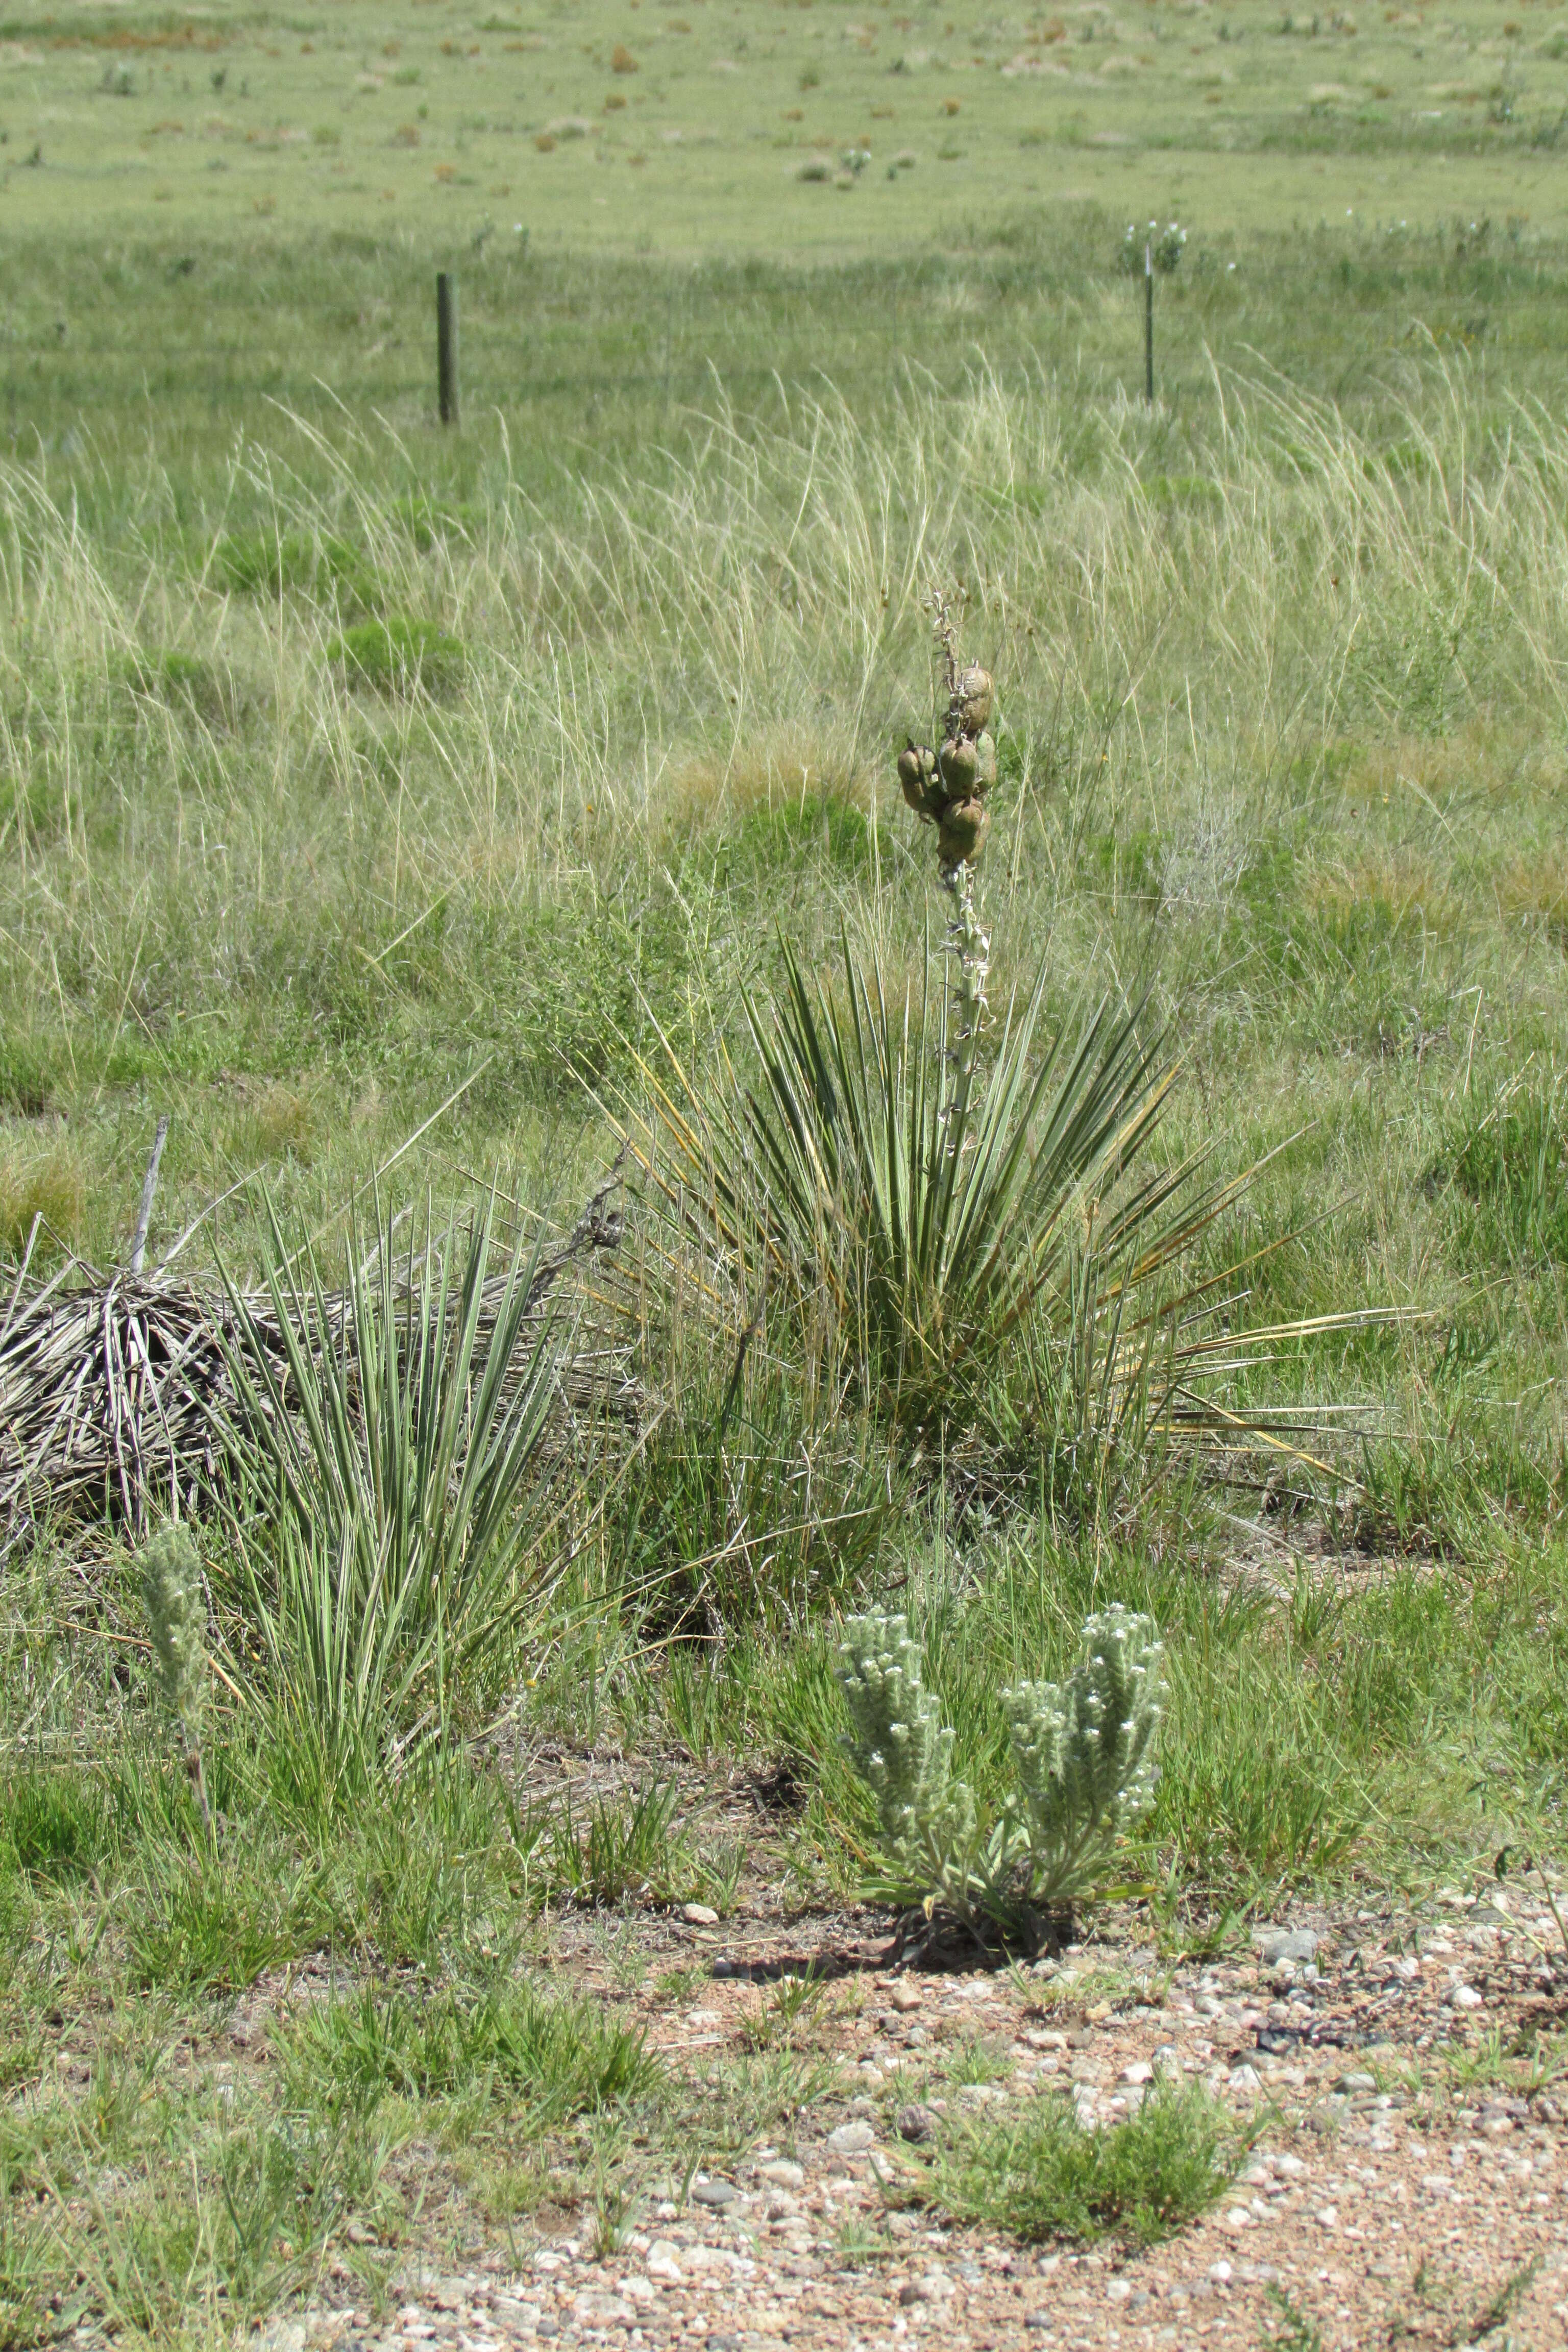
(1043, 2174)
(175, 1604)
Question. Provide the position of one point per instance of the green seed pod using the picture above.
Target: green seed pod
(985, 756)
(964, 825)
(915, 768)
(972, 700)
(960, 766)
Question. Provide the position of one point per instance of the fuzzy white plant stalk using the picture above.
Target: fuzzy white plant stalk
(970, 945)
(902, 1751)
(1084, 1751)
(176, 1619)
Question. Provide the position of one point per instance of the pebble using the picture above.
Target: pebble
(698, 1915)
(782, 2174)
(1466, 1997)
(1277, 1944)
(600, 2310)
(851, 2139)
(714, 2193)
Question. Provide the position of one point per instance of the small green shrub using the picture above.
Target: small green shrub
(181, 680)
(428, 522)
(395, 655)
(1082, 1763)
(266, 563)
(1042, 2174)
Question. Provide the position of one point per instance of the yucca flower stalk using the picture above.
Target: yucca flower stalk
(948, 787)
(176, 1619)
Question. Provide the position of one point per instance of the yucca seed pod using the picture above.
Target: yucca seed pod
(986, 759)
(917, 769)
(964, 825)
(972, 696)
(959, 764)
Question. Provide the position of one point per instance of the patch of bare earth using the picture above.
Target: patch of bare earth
(1406, 2182)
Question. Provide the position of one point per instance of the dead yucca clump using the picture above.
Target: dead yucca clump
(123, 1394)
(789, 775)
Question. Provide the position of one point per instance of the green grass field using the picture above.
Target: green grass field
(423, 121)
(377, 800)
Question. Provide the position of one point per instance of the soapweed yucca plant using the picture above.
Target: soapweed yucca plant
(385, 1439)
(991, 1250)
(912, 1228)
(1082, 1755)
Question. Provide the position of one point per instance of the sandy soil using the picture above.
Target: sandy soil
(1407, 2183)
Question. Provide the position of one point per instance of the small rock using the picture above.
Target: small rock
(1328, 2218)
(1245, 2079)
(1357, 2083)
(1041, 2320)
(904, 1997)
(596, 2309)
(1117, 2290)
(782, 2174)
(851, 2139)
(664, 2263)
(1277, 1944)
(915, 2123)
(1139, 2072)
(1221, 2274)
(714, 2193)
(1466, 1997)
(1239, 2218)
(698, 1915)
(934, 2287)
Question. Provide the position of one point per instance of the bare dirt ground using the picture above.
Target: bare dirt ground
(1407, 2181)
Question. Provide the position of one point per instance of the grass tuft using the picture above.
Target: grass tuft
(1044, 2175)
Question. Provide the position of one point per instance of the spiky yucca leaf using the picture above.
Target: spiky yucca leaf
(926, 1239)
(396, 1442)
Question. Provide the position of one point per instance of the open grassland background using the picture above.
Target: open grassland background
(344, 762)
(359, 782)
(620, 125)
